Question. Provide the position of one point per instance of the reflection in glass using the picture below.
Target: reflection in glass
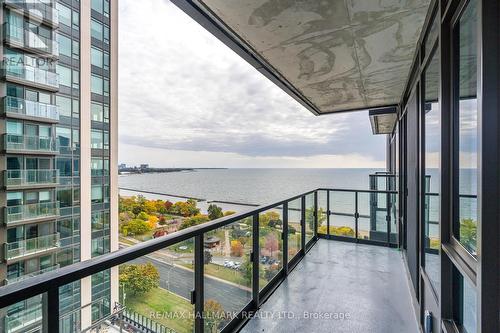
(342, 209)
(294, 228)
(432, 157)
(467, 127)
(309, 217)
(270, 245)
(227, 272)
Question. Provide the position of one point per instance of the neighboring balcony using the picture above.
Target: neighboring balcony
(31, 246)
(43, 11)
(29, 75)
(24, 144)
(32, 274)
(14, 215)
(29, 40)
(41, 178)
(15, 107)
(22, 320)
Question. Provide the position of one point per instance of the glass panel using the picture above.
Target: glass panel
(155, 289)
(309, 217)
(467, 127)
(322, 212)
(227, 272)
(432, 139)
(270, 245)
(469, 307)
(24, 315)
(294, 229)
(372, 222)
(342, 209)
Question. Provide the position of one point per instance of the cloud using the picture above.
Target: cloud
(182, 89)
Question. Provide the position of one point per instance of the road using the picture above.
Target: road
(181, 281)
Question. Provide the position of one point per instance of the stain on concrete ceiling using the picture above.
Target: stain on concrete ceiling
(339, 54)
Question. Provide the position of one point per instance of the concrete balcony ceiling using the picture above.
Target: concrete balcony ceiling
(335, 55)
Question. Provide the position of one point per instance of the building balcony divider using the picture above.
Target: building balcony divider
(14, 214)
(31, 246)
(28, 39)
(32, 274)
(25, 143)
(42, 10)
(18, 106)
(20, 70)
(14, 178)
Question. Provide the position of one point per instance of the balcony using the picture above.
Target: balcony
(15, 107)
(24, 144)
(25, 74)
(27, 39)
(30, 246)
(292, 259)
(14, 215)
(43, 11)
(22, 320)
(17, 179)
(29, 275)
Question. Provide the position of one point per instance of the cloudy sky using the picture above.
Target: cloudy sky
(186, 100)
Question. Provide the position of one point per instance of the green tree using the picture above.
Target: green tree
(214, 212)
(468, 233)
(137, 227)
(192, 221)
(139, 279)
(207, 257)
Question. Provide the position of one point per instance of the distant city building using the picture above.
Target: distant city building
(144, 166)
(122, 166)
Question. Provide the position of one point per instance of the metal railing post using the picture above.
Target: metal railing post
(255, 260)
(388, 217)
(51, 310)
(356, 215)
(198, 283)
(328, 213)
(285, 237)
(316, 215)
(303, 223)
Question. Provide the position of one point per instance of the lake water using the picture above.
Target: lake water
(250, 186)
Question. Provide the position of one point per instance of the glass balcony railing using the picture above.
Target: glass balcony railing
(29, 74)
(27, 38)
(209, 276)
(31, 246)
(31, 211)
(25, 143)
(12, 280)
(15, 105)
(20, 320)
(44, 10)
(31, 177)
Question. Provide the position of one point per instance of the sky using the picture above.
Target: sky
(187, 100)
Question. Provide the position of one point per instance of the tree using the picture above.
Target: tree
(214, 212)
(271, 244)
(162, 220)
(192, 221)
(468, 233)
(137, 227)
(236, 248)
(139, 279)
(265, 218)
(213, 314)
(207, 257)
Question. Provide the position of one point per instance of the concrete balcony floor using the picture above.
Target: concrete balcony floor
(364, 282)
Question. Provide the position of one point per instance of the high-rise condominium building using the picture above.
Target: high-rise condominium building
(58, 95)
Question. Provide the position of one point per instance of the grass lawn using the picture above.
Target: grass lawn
(163, 301)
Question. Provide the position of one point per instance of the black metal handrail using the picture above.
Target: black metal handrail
(50, 282)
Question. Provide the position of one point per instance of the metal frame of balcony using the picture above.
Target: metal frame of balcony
(25, 179)
(50, 282)
(36, 10)
(29, 275)
(14, 107)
